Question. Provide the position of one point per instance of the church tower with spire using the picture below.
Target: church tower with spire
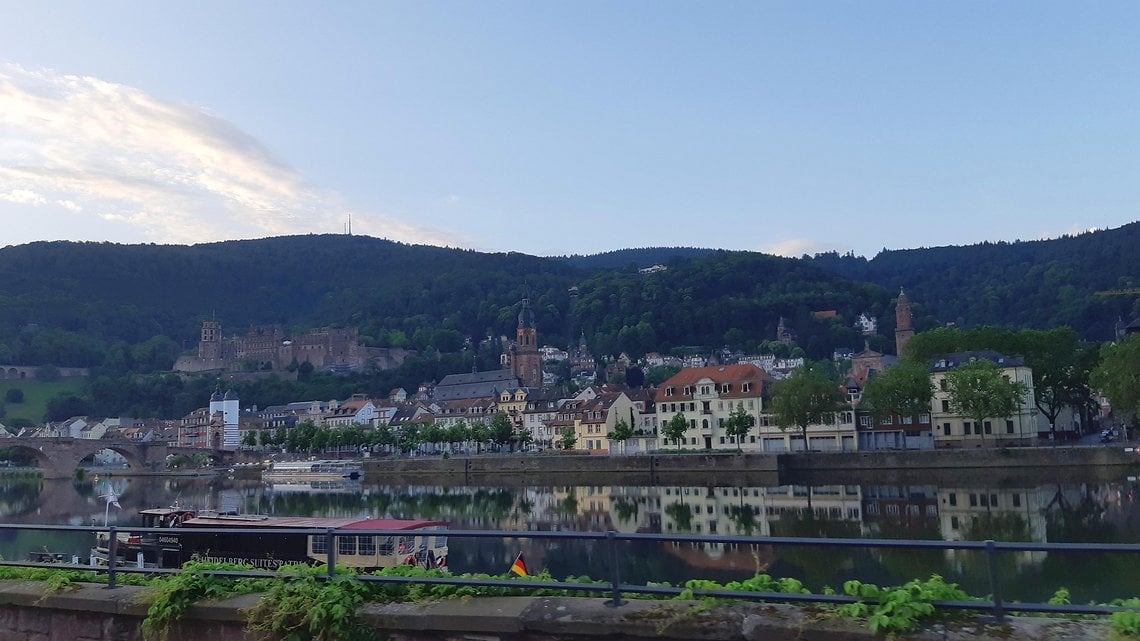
(526, 361)
(904, 328)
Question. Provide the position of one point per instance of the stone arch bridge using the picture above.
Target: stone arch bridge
(59, 457)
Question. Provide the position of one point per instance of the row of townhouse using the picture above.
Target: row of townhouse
(86, 427)
(706, 396)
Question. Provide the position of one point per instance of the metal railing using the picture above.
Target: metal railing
(612, 586)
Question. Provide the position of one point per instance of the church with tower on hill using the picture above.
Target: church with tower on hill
(522, 357)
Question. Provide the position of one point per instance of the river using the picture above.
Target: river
(1077, 506)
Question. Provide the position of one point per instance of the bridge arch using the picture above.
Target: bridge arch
(60, 457)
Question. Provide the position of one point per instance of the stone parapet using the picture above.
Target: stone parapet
(94, 613)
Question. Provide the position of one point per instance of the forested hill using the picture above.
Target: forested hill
(73, 304)
(1044, 283)
(67, 303)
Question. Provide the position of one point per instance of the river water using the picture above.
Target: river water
(1074, 506)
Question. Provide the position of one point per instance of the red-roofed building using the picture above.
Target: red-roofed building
(706, 396)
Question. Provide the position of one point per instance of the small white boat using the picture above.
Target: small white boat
(316, 470)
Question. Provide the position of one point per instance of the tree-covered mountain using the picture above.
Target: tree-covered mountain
(135, 307)
(1037, 284)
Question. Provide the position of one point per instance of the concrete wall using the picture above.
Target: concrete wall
(961, 459)
(494, 465)
(93, 613)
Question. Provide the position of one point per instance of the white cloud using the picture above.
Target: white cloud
(113, 152)
(796, 247)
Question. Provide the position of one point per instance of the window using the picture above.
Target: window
(945, 406)
(973, 500)
(865, 421)
(953, 498)
(946, 429)
(692, 423)
(320, 544)
(907, 420)
(966, 426)
(993, 500)
(722, 440)
(924, 418)
(942, 384)
(989, 427)
(668, 391)
(346, 545)
(1016, 500)
(366, 545)
(746, 387)
(954, 524)
(1008, 426)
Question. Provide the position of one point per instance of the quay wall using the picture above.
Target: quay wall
(94, 613)
(979, 458)
(733, 466)
(491, 466)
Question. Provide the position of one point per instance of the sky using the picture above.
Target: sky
(555, 128)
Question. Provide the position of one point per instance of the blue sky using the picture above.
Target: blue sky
(573, 127)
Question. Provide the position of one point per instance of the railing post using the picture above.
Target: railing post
(995, 586)
(112, 552)
(615, 571)
(330, 541)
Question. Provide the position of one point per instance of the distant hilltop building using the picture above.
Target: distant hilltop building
(271, 349)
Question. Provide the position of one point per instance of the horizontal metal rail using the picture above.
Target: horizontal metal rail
(614, 586)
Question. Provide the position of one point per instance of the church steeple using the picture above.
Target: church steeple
(903, 322)
(525, 361)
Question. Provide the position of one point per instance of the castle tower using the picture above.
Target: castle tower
(903, 327)
(526, 362)
(230, 418)
(210, 344)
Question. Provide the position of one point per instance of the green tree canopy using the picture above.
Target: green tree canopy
(675, 428)
(978, 390)
(1118, 375)
(807, 397)
(738, 424)
(903, 388)
(622, 432)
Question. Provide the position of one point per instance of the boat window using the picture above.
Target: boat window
(387, 546)
(346, 545)
(440, 541)
(367, 544)
(320, 544)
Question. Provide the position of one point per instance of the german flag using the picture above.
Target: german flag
(519, 566)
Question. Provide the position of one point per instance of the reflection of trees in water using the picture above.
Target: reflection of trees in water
(744, 518)
(813, 565)
(999, 526)
(1088, 576)
(19, 495)
(681, 514)
(626, 510)
(900, 565)
(1083, 520)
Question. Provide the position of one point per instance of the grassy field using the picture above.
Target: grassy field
(36, 395)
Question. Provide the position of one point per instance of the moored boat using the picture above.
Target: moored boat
(422, 543)
(315, 470)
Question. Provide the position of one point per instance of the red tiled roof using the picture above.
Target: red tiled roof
(719, 375)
